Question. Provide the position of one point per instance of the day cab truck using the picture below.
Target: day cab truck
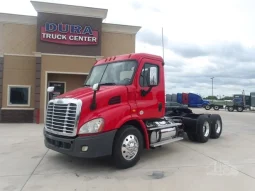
(120, 111)
(240, 103)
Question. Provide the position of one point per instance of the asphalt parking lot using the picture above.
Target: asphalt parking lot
(227, 163)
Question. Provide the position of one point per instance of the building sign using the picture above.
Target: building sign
(69, 34)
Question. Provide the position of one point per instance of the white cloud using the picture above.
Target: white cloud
(202, 38)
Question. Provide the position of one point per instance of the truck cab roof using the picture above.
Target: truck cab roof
(131, 56)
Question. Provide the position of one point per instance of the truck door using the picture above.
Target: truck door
(150, 105)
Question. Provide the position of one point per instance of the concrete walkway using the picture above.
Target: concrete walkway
(224, 164)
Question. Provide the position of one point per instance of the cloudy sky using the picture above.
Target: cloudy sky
(202, 38)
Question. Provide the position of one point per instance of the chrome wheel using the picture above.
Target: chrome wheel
(218, 126)
(129, 147)
(206, 129)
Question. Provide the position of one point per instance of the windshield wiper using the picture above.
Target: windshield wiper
(107, 84)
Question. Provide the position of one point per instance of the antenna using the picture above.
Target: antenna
(163, 43)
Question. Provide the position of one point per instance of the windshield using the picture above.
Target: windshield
(116, 73)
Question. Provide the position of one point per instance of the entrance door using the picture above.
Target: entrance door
(59, 88)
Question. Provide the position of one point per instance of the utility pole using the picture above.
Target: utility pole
(212, 85)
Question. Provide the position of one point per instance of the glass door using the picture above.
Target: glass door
(59, 88)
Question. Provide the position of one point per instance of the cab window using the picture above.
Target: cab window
(145, 74)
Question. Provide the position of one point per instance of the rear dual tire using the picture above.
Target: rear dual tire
(207, 127)
(203, 130)
(216, 126)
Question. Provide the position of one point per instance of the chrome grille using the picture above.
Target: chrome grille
(62, 116)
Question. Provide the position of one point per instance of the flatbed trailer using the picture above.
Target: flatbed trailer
(214, 106)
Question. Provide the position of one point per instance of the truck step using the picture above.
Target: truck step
(164, 126)
(166, 142)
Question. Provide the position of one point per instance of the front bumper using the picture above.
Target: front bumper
(98, 145)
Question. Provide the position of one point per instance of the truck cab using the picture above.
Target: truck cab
(119, 111)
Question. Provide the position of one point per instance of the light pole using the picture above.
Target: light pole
(212, 85)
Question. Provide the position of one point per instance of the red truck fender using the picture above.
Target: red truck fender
(135, 119)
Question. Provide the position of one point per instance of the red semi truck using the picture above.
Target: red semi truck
(120, 111)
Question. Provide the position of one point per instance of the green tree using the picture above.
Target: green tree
(227, 98)
(211, 97)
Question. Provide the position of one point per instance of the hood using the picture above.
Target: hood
(103, 97)
(87, 92)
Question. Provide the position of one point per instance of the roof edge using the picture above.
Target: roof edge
(32, 20)
(117, 28)
(64, 9)
(18, 19)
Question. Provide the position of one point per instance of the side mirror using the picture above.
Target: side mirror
(50, 89)
(95, 87)
(153, 76)
(93, 105)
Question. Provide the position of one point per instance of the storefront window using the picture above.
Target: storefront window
(116, 73)
(18, 95)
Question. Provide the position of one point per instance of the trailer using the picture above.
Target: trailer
(179, 98)
(120, 111)
(214, 106)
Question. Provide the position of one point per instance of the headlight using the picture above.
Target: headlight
(93, 126)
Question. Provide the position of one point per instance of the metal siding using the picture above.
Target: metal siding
(174, 97)
(179, 98)
(252, 99)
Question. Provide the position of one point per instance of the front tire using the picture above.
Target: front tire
(230, 109)
(127, 147)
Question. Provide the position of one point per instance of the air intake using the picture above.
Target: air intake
(114, 100)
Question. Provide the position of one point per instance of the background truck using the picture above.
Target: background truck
(196, 100)
(120, 111)
(252, 95)
(241, 102)
(190, 99)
